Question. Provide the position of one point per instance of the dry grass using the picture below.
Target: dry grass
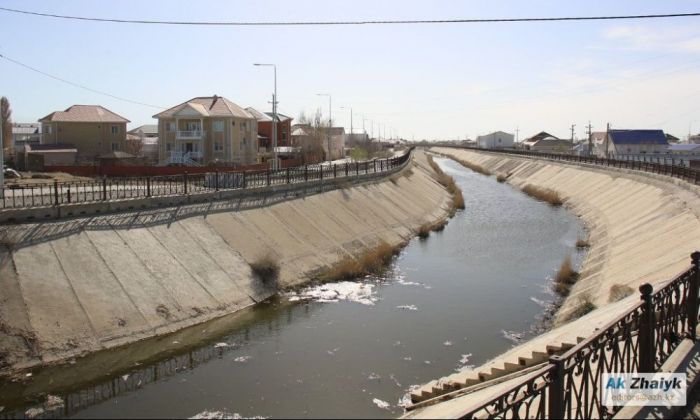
(267, 269)
(395, 179)
(584, 306)
(474, 167)
(566, 277)
(449, 183)
(424, 231)
(582, 243)
(372, 261)
(619, 292)
(501, 178)
(408, 172)
(543, 194)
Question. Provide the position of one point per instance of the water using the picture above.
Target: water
(459, 298)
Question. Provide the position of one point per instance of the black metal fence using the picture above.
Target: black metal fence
(106, 189)
(670, 167)
(640, 341)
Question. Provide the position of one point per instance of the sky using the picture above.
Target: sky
(435, 82)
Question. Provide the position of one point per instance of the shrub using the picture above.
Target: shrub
(543, 194)
(372, 261)
(267, 269)
(474, 167)
(566, 277)
(582, 243)
(424, 231)
(619, 292)
(450, 185)
(501, 178)
(408, 172)
(584, 306)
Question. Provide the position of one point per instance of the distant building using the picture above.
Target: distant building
(635, 142)
(684, 149)
(91, 129)
(337, 144)
(284, 135)
(671, 139)
(356, 137)
(34, 157)
(207, 129)
(694, 139)
(495, 140)
(546, 143)
(149, 131)
(25, 134)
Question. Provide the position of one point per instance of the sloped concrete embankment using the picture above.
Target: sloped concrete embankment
(82, 285)
(642, 229)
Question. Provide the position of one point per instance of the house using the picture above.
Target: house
(25, 133)
(337, 143)
(546, 143)
(598, 142)
(671, 139)
(34, 157)
(635, 142)
(91, 129)
(142, 141)
(684, 149)
(149, 131)
(284, 135)
(495, 140)
(357, 137)
(207, 129)
(694, 139)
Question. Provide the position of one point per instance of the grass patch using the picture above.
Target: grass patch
(372, 261)
(619, 292)
(584, 306)
(267, 269)
(449, 183)
(582, 243)
(543, 194)
(501, 178)
(408, 172)
(566, 277)
(424, 231)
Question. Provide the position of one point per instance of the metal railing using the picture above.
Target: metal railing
(640, 341)
(676, 168)
(191, 134)
(106, 189)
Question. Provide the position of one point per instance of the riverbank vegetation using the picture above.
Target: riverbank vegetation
(566, 277)
(619, 292)
(501, 178)
(371, 261)
(543, 194)
(584, 306)
(267, 269)
(473, 166)
(449, 183)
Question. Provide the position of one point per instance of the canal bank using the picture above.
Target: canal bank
(354, 348)
(641, 228)
(82, 285)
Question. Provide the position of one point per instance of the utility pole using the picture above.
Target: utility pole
(607, 136)
(572, 136)
(330, 121)
(517, 134)
(2, 163)
(590, 139)
(275, 163)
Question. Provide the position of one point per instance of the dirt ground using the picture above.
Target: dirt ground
(38, 178)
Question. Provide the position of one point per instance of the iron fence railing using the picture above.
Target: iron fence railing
(106, 189)
(640, 341)
(676, 168)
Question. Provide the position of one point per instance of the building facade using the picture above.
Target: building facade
(207, 130)
(496, 140)
(635, 142)
(91, 129)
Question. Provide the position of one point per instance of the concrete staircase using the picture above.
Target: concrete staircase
(532, 353)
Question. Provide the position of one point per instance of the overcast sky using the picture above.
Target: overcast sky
(424, 81)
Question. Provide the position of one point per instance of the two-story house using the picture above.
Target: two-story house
(207, 129)
(92, 129)
(284, 135)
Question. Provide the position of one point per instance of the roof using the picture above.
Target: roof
(684, 148)
(206, 106)
(26, 128)
(539, 136)
(598, 136)
(280, 117)
(638, 137)
(300, 130)
(260, 116)
(336, 131)
(85, 113)
(146, 129)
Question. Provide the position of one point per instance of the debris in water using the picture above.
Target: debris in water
(335, 292)
(28, 375)
(242, 359)
(405, 401)
(220, 345)
(33, 413)
(125, 377)
(381, 404)
(427, 362)
(447, 343)
(513, 336)
(53, 402)
(333, 352)
(408, 307)
(408, 358)
(464, 363)
(222, 415)
(373, 377)
(393, 378)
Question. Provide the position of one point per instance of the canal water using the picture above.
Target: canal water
(354, 349)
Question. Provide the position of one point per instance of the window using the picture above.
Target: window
(169, 126)
(218, 146)
(218, 126)
(115, 129)
(284, 135)
(193, 126)
(243, 144)
(115, 147)
(168, 147)
(47, 129)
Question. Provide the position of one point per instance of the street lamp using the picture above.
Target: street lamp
(275, 164)
(2, 163)
(330, 121)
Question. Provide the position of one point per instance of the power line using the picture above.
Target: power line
(26, 66)
(350, 22)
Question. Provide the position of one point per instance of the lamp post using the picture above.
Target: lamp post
(275, 163)
(2, 163)
(330, 121)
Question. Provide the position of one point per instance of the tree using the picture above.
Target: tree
(6, 116)
(134, 146)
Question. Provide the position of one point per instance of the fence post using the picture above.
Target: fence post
(693, 291)
(306, 173)
(245, 180)
(288, 176)
(645, 348)
(556, 389)
(347, 168)
(335, 171)
(68, 195)
(268, 177)
(104, 188)
(321, 171)
(216, 182)
(148, 186)
(55, 191)
(184, 178)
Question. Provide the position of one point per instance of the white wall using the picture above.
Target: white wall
(496, 140)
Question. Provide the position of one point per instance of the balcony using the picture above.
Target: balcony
(190, 135)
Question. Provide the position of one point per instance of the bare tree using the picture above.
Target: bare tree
(6, 115)
(134, 146)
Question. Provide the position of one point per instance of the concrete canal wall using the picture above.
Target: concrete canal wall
(80, 285)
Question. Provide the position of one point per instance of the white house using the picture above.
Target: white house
(495, 140)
